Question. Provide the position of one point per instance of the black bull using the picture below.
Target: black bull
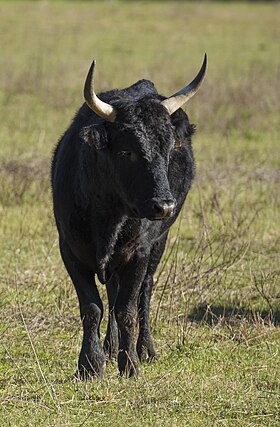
(120, 175)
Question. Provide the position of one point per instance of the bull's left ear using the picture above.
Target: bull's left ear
(94, 135)
(183, 129)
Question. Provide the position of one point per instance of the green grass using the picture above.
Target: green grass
(215, 309)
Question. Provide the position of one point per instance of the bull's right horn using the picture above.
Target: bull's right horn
(102, 109)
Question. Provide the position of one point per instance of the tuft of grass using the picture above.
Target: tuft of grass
(215, 308)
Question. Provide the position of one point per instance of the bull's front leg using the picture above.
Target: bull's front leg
(126, 313)
(92, 358)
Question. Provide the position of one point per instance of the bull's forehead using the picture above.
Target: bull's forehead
(147, 111)
(155, 139)
(148, 124)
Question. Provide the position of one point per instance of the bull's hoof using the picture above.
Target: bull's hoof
(85, 374)
(87, 370)
(128, 364)
(145, 350)
(146, 355)
(91, 361)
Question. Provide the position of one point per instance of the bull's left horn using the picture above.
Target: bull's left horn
(180, 98)
(102, 109)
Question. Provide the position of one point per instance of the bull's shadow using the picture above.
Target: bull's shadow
(227, 313)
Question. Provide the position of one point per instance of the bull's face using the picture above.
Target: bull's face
(136, 142)
(139, 150)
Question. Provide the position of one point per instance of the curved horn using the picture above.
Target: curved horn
(102, 109)
(180, 98)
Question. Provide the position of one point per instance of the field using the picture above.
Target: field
(216, 305)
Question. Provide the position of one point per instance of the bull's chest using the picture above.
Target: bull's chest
(124, 251)
(129, 241)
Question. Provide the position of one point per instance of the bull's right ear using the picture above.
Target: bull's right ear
(95, 135)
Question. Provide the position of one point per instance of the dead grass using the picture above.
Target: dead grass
(21, 180)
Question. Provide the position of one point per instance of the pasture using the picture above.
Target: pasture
(216, 304)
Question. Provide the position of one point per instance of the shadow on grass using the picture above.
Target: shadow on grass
(217, 313)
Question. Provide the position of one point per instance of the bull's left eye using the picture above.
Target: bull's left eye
(129, 155)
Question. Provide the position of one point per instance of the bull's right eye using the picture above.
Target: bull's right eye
(125, 153)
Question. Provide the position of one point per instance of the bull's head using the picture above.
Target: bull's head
(140, 137)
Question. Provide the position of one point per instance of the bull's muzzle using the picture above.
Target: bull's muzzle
(162, 209)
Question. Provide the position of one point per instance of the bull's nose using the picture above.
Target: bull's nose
(162, 209)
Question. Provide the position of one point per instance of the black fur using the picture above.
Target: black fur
(105, 177)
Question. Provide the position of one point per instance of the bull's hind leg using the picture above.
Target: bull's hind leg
(145, 345)
(92, 358)
(111, 341)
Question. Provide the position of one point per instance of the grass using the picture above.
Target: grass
(215, 309)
